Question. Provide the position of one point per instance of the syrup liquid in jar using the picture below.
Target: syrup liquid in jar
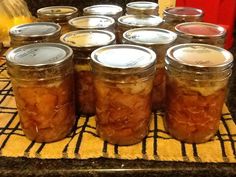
(43, 85)
(176, 15)
(197, 77)
(159, 40)
(123, 81)
(83, 42)
(34, 33)
(58, 14)
(199, 32)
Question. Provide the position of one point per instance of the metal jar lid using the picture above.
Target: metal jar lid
(199, 57)
(87, 39)
(142, 7)
(140, 21)
(60, 14)
(200, 29)
(40, 31)
(149, 36)
(113, 11)
(39, 61)
(183, 12)
(92, 22)
(123, 59)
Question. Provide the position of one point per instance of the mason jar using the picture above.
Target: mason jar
(109, 10)
(83, 42)
(175, 15)
(42, 81)
(199, 32)
(58, 14)
(128, 22)
(197, 77)
(159, 40)
(142, 8)
(34, 33)
(93, 22)
(123, 80)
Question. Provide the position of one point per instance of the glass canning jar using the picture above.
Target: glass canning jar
(34, 33)
(142, 8)
(83, 42)
(123, 80)
(199, 32)
(159, 40)
(109, 10)
(42, 82)
(93, 22)
(58, 14)
(197, 77)
(175, 15)
(128, 22)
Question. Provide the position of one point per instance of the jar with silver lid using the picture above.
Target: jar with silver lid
(109, 10)
(175, 15)
(199, 32)
(123, 80)
(136, 21)
(34, 33)
(93, 22)
(159, 40)
(197, 77)
(142, 8)
(83, 42)
(43, 85)
(58, 14)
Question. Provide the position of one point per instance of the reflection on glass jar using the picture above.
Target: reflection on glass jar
(159, 40)
(142, 8)
(199, 32)
(123, 80)
(58, 14)
(197, 77)
(83, 42)
(34, 33)
(136, 21)
(176, 15)
(42, 81)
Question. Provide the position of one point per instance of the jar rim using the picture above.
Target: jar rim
(200, 12)
(90, 9)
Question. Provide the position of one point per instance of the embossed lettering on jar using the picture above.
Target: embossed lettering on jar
(159, 40)
(83, 42)
(43, 85)
(199, 32)
(197, 77)
(123, 80)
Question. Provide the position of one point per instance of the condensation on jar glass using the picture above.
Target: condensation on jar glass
(159, 40)
(199, 32)
(92, 22)
(83, 42)
(34, 33)
(109, 10)
(128, 22)
(123, 80)
(142, 8)
(175, 15)
(43, 85)
(58, 14)
(197, 77)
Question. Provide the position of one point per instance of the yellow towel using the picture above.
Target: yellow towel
(80, 144)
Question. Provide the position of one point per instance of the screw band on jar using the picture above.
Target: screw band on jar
(43, 85)
(142, 8)
(34, 33)
(123, 79)
(159, 40)
(83, 42)
(197, 77)
(199, 32)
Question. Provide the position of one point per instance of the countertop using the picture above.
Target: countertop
(115, 167)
